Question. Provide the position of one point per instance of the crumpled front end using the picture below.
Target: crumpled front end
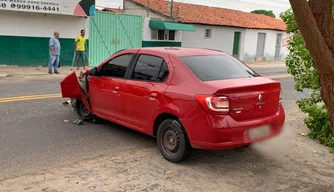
(70, 87)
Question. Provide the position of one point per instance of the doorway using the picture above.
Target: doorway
(236, 44)
(261, 40)
(278, 47)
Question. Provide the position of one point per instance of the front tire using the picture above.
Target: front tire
(173, 142)
(82, 111)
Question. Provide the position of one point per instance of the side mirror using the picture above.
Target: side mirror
(93, 72)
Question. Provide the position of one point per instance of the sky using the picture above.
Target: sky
(277, 6)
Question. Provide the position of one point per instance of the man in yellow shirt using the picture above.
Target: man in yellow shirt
(79, 47)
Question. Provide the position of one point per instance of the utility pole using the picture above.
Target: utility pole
(171, 10)
(148, 5)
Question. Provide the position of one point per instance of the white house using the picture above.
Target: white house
(246, 36)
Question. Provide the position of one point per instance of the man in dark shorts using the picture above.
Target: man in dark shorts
(79, 47)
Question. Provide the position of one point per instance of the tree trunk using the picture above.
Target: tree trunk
(327, 94)
(314, 19)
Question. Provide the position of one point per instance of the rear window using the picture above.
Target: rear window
(220, 67)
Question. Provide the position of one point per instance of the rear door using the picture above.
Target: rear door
(104, 89)
(143, 91)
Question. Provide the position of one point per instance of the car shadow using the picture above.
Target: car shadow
(253, 165)
(226, 156)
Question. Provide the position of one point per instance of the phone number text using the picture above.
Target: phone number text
(29, 7)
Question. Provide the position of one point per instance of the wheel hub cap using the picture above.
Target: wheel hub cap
(171, 141)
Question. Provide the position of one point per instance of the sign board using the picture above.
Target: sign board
(65, 7)
(285, 40)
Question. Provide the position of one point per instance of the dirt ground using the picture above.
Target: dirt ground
(290, 162)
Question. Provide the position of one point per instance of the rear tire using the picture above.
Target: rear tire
(173, 142)
(82, 111)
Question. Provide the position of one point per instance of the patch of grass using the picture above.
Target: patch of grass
(332, 151)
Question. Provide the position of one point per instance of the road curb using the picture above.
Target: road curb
(3, 75)
(267, 66)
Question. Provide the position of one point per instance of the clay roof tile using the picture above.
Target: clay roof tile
(199, 14)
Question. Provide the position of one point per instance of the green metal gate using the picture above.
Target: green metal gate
(111, 32)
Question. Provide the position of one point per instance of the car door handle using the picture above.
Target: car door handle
(153, 96)
(116, 89)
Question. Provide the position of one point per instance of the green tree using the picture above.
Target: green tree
(269, 13)
(302, 66)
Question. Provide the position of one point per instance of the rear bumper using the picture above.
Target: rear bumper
(221, 132)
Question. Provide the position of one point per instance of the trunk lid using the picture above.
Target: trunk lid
(249, 98)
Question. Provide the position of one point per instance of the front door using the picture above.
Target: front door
(105, 89)
(260, 44)
(143, 91)
(278, 47)
(236, 44)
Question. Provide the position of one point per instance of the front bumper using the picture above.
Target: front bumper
(214, 132)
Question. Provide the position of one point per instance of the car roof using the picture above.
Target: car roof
(183, 52)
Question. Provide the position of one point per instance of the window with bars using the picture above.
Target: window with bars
(208, 33)
(163, 34)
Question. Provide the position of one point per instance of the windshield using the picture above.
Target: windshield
(217, 67)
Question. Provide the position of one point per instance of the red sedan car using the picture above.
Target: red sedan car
(186, 98)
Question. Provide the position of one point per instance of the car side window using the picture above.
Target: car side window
(116, 67)
(150, 68)
(163, 72)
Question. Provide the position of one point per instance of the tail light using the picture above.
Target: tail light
(214, 104)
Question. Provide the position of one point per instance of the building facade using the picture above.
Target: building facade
(153, 37)
(244, 44)
(246, 36)
(26, 29)
(25, 39)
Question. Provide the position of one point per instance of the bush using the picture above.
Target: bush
(300, 65)
(318, 123)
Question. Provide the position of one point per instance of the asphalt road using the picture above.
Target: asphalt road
(34, 135)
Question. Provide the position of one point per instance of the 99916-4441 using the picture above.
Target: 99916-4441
(33, 7)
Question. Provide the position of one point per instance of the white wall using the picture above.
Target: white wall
(41, 25)
(270, 44)
(285, 50)
(134, 9)
(222, 38)
(146, 29)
